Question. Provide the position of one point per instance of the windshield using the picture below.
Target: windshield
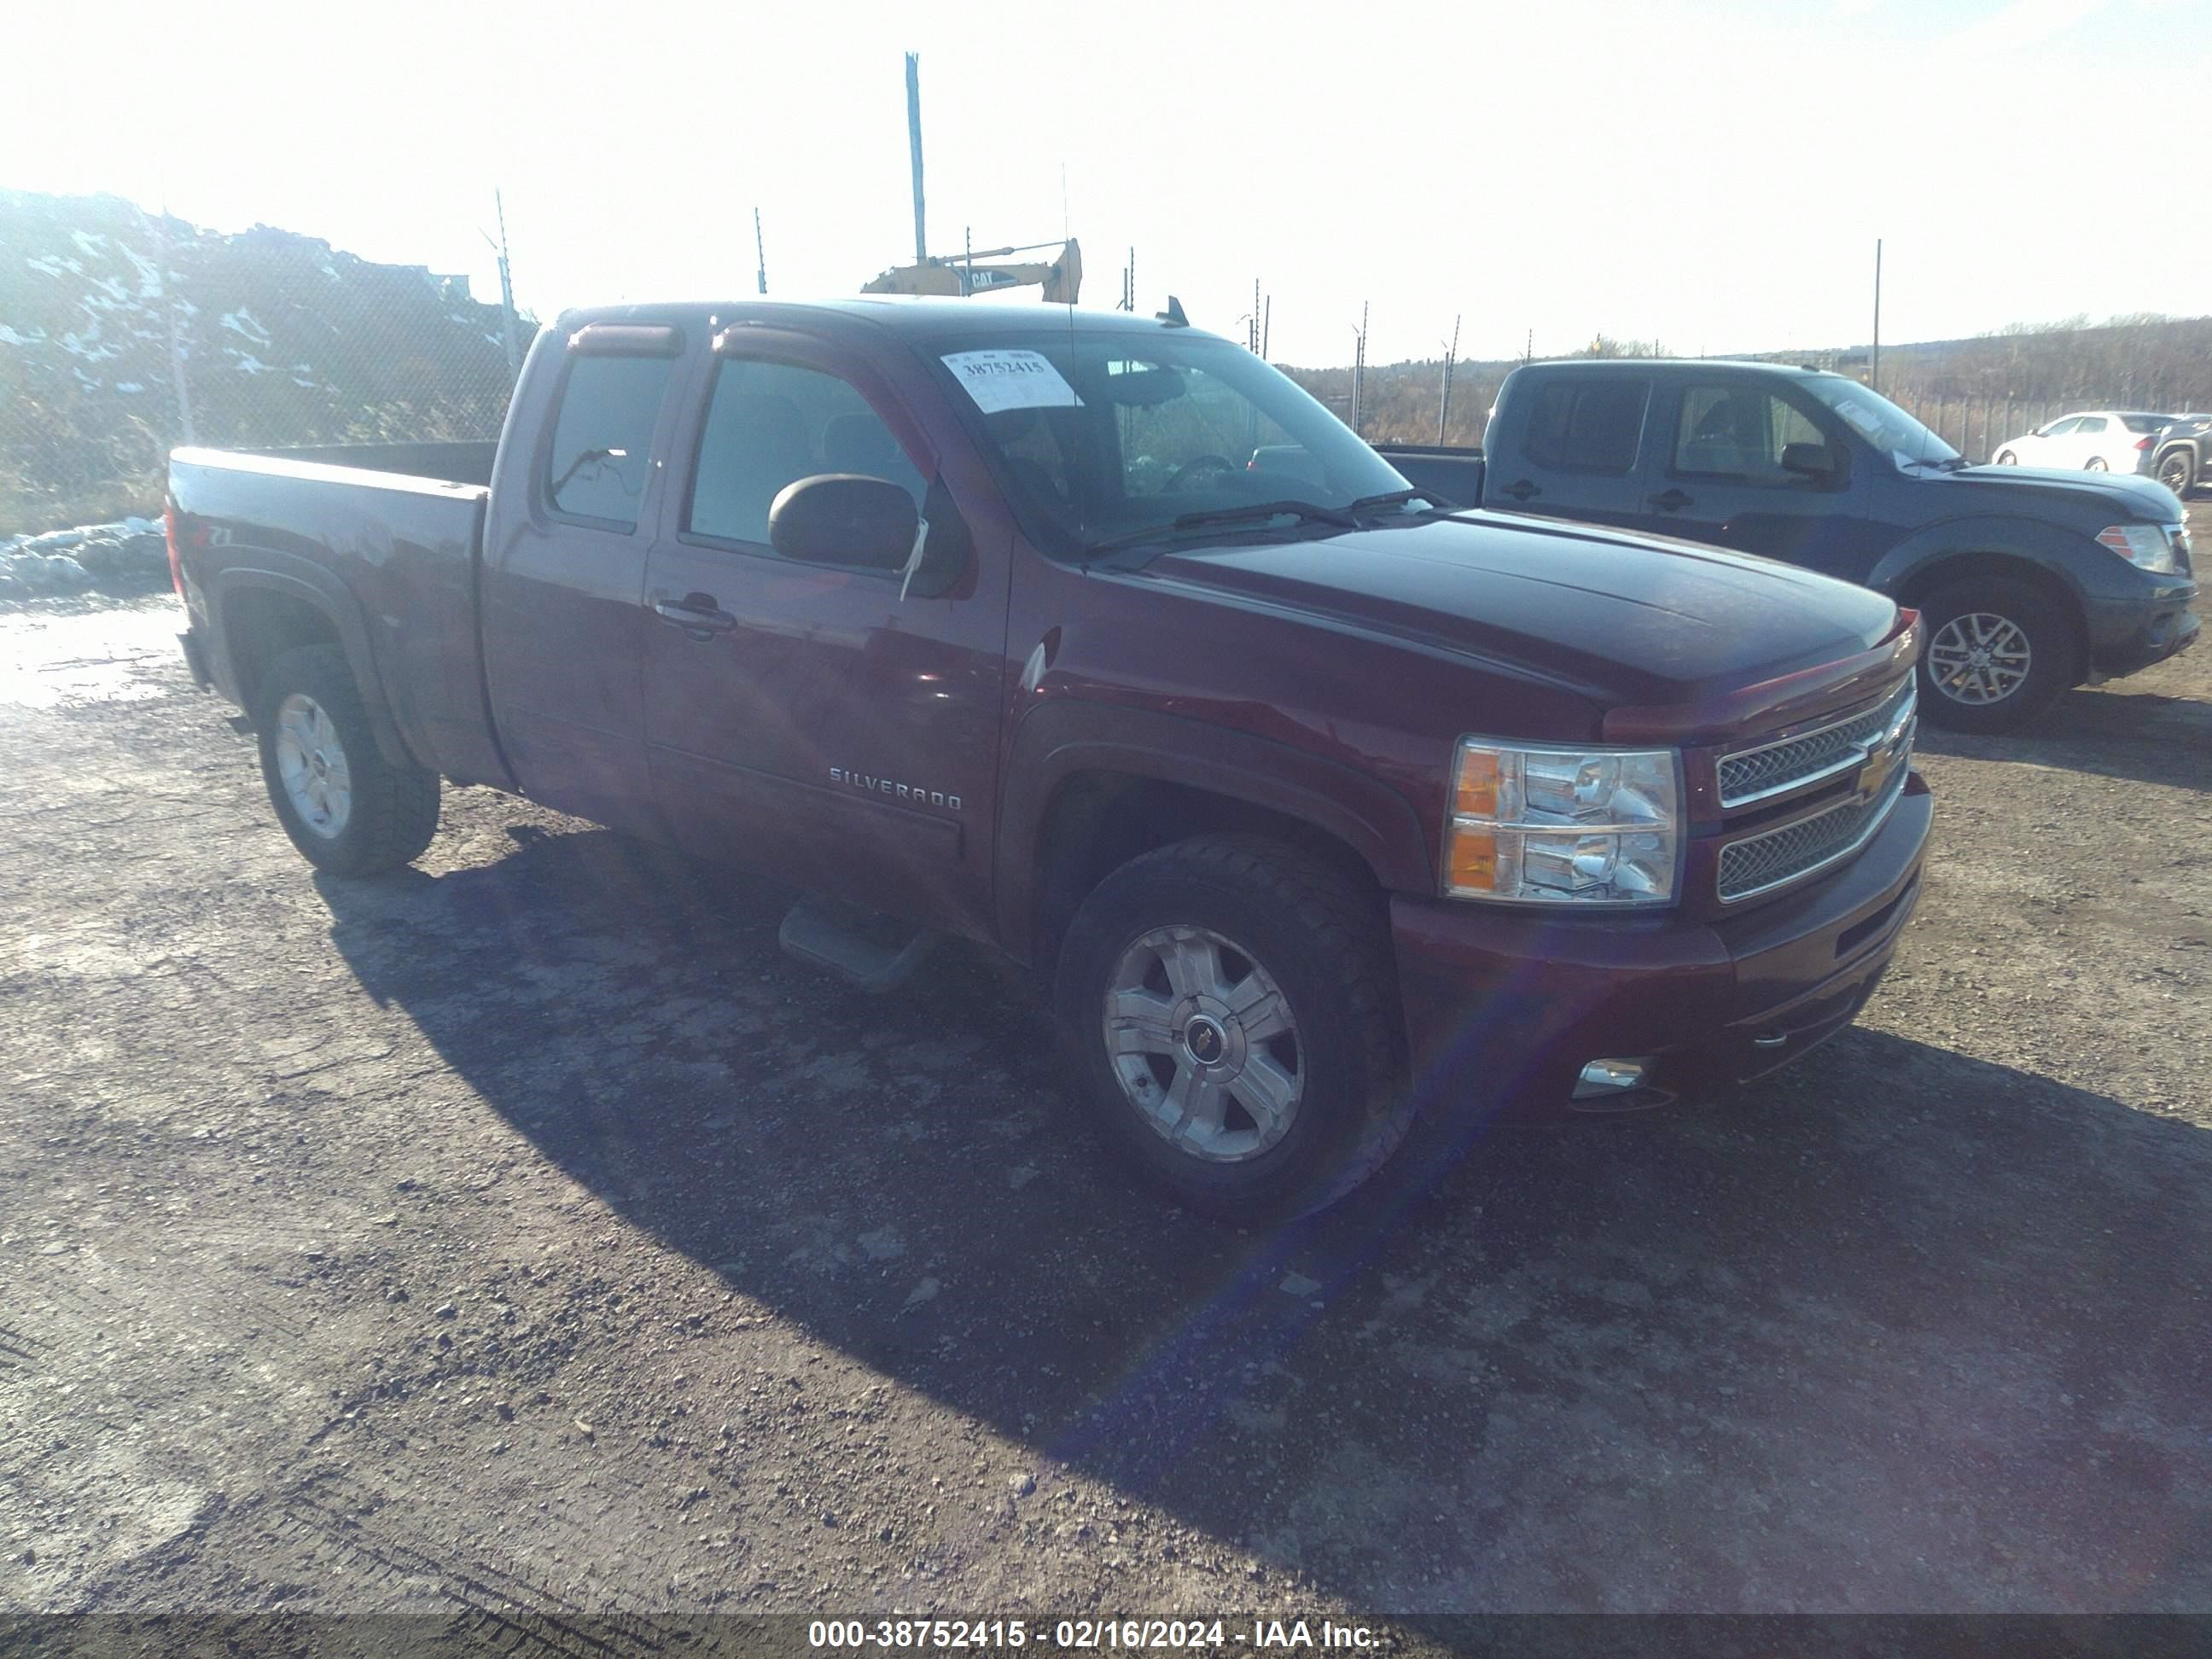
(2147, 423)
(1106, 437)
(1880, 421)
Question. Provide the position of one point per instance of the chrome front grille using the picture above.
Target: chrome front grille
(1774, 858)
(1751, 775)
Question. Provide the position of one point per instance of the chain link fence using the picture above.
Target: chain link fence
(124, 334)
(1979, 426)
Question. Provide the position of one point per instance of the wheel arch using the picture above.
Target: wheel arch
(1920, 567)
(1092, 787)
(2179, 447)
(259, 613)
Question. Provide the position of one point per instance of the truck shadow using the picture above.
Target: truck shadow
(1895, 1320)
(2143, 736)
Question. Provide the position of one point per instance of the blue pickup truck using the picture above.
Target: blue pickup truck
(2029, 582)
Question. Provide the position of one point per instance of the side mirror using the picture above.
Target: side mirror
(1809, 460)
(844, 518)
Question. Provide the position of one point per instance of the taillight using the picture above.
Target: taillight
(2142, 443)
(169, 536)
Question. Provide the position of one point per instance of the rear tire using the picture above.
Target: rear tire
(347, 809)
(2095, 463)
(1231, 1006)
(2177, 470)
(1999, 653)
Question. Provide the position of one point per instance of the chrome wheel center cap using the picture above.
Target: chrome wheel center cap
(1204, 1040)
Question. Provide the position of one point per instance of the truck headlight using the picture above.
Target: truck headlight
(1572, 826)
(2146, 546)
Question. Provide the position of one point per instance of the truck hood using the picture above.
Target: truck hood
(2106, 497)
(1620, 619)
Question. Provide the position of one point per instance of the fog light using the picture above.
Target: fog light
(1608, 1077)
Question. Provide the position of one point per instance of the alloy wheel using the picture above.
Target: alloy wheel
(1204, 1044)
(1979, 659)
(310, 762)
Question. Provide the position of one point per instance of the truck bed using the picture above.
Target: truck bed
(446, 462)
(391, 555)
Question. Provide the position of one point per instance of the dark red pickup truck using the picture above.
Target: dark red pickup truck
(1314, 803)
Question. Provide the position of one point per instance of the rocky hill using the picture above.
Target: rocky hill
(123, 333)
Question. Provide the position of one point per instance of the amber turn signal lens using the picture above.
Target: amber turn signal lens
(1476, 794)
(1473, 861)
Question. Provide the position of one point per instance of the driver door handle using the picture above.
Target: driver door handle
(697, 614)
(1673, 501)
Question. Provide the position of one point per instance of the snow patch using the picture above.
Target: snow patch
(243, 323)
(149, 275)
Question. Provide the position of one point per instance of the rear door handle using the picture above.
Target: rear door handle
(1673, 501)
(697, 614)
(1521, 490)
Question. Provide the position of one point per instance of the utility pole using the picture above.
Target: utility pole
(1528, 351)
(1443, 407)
(1266, 323)
(1873, 357)
(1359, 369)
(761, 247)
(1252, 341)
(506, 289)
(914, 144)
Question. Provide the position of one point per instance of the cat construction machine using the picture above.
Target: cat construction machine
(986, 271)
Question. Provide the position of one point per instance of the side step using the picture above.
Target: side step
(874, 952)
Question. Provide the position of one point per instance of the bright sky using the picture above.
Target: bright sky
(1710, 173)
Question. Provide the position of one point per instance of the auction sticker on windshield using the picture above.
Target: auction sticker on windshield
(1011, 379)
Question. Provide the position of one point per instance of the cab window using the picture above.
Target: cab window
(771, 424)
(1587, 426)
(603, 437)
(1739, 432)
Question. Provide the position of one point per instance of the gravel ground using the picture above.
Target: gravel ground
(527, 1231)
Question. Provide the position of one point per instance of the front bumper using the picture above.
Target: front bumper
(2169, 629)
(1504, 1010)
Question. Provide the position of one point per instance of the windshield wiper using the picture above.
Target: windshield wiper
(1312, 512)
(1392, 498)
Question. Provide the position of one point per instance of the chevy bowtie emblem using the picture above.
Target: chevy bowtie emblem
(1883, 764)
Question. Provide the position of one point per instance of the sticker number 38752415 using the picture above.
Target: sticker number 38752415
(1011, 379)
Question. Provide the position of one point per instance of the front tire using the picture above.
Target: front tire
(2006, 457)
(347, 809)
(1231, 1002)
(1999, 653)
(2177, 470)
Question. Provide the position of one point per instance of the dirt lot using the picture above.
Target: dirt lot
(526, 1230)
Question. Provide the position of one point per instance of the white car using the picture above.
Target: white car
(2098, 440)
